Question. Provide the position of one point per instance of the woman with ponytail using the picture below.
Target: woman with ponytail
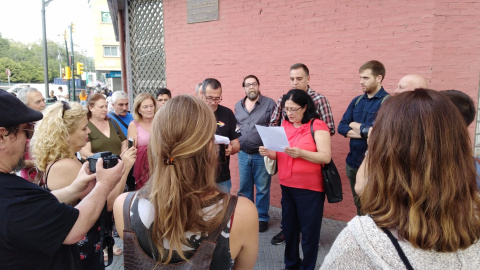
(180, 206)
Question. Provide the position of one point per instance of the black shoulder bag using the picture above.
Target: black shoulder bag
(331, 178)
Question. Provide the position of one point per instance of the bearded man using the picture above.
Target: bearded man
(254, 109)
(359, 118)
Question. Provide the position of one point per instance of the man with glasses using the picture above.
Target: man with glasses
(226, 126)
(38, 229)
(300, 79)
(359, 118)
(254, 109)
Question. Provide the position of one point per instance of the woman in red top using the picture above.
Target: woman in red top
(300, 174)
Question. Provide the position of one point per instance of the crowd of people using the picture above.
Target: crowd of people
(410, 166)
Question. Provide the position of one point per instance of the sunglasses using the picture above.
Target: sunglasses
(66, 107)
(28, 130)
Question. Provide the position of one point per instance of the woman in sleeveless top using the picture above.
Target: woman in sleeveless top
(181, 205)
(63, 132)
(144, 109)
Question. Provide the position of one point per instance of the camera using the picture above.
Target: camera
(109, 160)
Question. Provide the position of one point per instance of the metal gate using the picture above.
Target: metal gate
(145, 50)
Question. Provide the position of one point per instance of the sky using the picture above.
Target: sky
(21, 20)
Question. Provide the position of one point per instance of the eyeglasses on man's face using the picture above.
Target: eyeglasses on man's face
(290, 109)
(214, 99)
(248, 85)
(29, 129)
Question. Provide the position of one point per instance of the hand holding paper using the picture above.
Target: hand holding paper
(273, 138)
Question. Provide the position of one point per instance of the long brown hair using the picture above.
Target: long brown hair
(421, 174)
(182, 133)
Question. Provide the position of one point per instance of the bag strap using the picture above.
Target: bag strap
(232, 203)
(120, 120)
(115, 126)
(127, 225)
(398, 248)
(311, 131)
(360, 97)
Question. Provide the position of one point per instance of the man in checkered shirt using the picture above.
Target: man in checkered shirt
(300, 77)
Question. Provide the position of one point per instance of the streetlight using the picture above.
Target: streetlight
(45, 57)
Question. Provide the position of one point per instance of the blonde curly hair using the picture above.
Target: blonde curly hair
(50, 141)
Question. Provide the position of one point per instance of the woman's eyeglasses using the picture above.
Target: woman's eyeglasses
(287, 109)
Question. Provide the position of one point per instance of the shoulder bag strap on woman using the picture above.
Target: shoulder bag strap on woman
(398, 248)
(331, 178)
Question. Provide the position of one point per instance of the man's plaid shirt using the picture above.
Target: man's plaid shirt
(323, 109)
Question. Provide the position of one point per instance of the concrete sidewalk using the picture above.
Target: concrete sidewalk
(269, 256)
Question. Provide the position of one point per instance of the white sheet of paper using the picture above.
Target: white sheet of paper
(221, 139)
(273, 138)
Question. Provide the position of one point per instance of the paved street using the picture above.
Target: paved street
(270, 257)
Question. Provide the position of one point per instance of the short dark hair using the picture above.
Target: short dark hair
(375, 66)
(214, 84)
(302, 66)
(163, 91)
(303, 99)
(60, 87)
(464, 104)
(248, 77)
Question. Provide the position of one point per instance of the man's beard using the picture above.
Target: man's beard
(20, 164)
(252, 95)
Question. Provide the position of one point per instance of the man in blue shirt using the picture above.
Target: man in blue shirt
(120, 110)
(359, 118)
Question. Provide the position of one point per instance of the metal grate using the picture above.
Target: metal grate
(145, 46)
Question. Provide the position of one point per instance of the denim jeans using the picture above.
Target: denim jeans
(253, 172)
(225, 186)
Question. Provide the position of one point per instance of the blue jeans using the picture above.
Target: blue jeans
(225, 186)
(253, 172)
(302, 213)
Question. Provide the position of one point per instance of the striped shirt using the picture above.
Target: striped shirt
(323, 109)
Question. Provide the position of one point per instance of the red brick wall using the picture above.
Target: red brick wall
(438, 39)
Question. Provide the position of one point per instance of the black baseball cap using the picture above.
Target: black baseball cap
(14, 112)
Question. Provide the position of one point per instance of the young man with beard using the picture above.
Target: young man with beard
(359, 118)
(254, 109)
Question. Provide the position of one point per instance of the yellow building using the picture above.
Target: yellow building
(107, 52)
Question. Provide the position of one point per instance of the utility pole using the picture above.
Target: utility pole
(45, 56)
(73, 61)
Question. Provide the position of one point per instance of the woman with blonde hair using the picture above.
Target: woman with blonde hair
(181, 206)
(423, 211)
(57, 138)
(144, 109)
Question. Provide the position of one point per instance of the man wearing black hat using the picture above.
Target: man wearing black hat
(37, 231)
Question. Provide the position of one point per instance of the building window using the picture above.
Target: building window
(106, 17)
(111, 51)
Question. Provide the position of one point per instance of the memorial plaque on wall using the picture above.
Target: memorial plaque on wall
(202, 11)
